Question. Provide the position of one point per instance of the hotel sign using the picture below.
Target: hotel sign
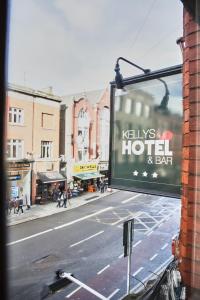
(146, 133)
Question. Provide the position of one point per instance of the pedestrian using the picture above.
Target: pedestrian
(20, 204)
(59, 200)
(65, 197)
(8, 211)
(27, 201)
(102, 186)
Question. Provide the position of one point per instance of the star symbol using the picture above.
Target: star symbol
(155, 175)
(135, 173)
(144, 174)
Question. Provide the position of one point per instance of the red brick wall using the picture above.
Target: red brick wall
(190, 214)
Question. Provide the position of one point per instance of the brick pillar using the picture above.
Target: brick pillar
(190, 214)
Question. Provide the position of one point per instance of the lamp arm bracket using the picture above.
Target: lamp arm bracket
(131, 63)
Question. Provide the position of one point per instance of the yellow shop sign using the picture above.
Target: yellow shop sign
(80, 168)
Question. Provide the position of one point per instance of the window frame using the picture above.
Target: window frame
(16, 115)
(46, 149)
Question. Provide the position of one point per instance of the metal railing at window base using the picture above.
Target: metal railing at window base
(164, 287)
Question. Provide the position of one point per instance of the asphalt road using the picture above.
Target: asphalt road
(87, 242)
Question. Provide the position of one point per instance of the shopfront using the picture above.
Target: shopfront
(19, 179)
(87, 176)
(46, 183)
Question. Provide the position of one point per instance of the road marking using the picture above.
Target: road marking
(88, 238)
(153, 257)
(124, 218)
(114, 293)
(137, 243)
(138, 271)
(174, 236)
(72, 293)
(149, 233)
(165, 246)
(101, 271)
(29, 237)
(59, 227)
(83, 218)
(121, 255)
(129, 199)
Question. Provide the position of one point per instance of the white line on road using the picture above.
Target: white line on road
(83, 218)
(72, 293)
(120, 256)
(137, 243)
(88, 238)
(29, 237)
(129, 199)
(114, 293)
(58, 227)
(138, 271)
(153, 257)
(165, 246)
(174, 236)
(101, 271)
(149, 233)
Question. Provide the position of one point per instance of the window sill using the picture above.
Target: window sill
(16, 124)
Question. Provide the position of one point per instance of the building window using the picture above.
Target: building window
(15, 149)
(83, 155)
(128, 106)
(16, 115)
(146, 111)
(118, 104)
(47, 121)
(83, 135)
(46, 149)
(138, 109)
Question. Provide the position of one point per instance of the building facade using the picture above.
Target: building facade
(84, 134)
(32, 142)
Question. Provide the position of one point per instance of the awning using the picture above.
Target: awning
(48, 177)
(92, 175)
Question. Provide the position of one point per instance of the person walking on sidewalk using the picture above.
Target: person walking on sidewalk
(20, 204)
(59, 200)
(102, 186)
(65, 197)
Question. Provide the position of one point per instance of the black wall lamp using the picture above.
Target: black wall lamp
(164, 102)
(119, 77)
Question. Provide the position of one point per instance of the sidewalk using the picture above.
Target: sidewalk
(40, 211)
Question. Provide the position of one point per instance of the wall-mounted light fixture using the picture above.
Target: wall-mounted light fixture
(181, 42)
(119, 77)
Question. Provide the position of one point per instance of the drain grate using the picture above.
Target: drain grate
(45, 260)
(90, 198)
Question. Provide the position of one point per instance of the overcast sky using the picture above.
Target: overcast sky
(72, 45)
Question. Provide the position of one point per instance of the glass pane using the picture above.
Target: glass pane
(14, 151)
(10, 117)
(146, 150)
